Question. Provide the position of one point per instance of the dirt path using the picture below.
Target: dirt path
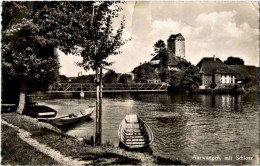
(56, 155)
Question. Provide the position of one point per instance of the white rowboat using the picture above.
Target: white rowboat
(134, 133)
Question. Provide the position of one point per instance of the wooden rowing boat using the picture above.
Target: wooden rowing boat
(68, 119)
(40, 111)
(134, 133)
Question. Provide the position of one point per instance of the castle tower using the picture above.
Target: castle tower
(176, 46)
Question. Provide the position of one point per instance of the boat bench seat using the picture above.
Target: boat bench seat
(134, 139)
(135, 143)
(133, 130)
(134, 136)
(132, 133)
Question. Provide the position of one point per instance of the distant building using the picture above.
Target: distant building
(213, 70)
(244, 71)
(155, 60)
(154, 81)
(175, 50)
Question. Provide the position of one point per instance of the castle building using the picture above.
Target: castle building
(176, 46)
(176, 52)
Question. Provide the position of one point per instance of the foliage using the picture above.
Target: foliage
(188, 78)
(63, 78)
(183, 64)
(164, 74)
(110, 77)
(32, 30)
(234, 61)
(125, 78)
(144, 72)
(161, 51)
(26, 54)
(30, 33)
(250, 81)
(84, 79)
(102, 39)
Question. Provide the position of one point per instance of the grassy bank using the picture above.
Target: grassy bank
(14, 151)
(70, 146)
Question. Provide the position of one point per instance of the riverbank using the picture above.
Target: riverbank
(68, 146)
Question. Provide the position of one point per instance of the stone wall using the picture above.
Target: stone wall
(206, 80)
(171, 48)
(180, 47)
(218, 79)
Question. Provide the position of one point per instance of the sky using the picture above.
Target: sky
(222, 29)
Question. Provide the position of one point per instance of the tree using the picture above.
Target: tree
(28, 59)
(144, 72)
(186, 79)
(234, 61)
(30, 33)
(63, 78)
(84, 79)
(110, 77)
(101, 42)
(183, 64)
(250, 81)
(161, 51)
(125, 78)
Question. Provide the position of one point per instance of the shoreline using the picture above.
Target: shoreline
(76, 148)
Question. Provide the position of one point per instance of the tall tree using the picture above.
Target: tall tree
(103, 41)
(30, 33)
(111, 77)
(234, 61)
(125, 78)
(27, 57)
(160, 50)
(186, 79)
(144, 72)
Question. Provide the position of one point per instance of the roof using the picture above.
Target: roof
(173, 61)
(155, 58)
(243, 71)
(174, 36)
(210, 66)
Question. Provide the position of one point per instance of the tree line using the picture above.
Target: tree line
(110, 77)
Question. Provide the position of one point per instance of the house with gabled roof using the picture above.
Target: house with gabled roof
(215, 73)
(244, 71)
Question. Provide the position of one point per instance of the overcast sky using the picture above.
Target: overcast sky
(210, 28)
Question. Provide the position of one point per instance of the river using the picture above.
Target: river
(186, 127)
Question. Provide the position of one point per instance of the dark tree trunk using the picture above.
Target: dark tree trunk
(98, 134)
(21, 102)
(100, 107)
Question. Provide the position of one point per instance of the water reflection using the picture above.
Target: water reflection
(183, 125)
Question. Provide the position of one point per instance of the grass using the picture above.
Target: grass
(14, 151)
(70, 146)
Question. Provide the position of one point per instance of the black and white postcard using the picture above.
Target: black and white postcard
(130, 83)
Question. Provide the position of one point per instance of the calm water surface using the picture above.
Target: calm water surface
(183, 125)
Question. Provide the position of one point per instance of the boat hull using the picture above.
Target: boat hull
(134, 133)
(69, 119)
